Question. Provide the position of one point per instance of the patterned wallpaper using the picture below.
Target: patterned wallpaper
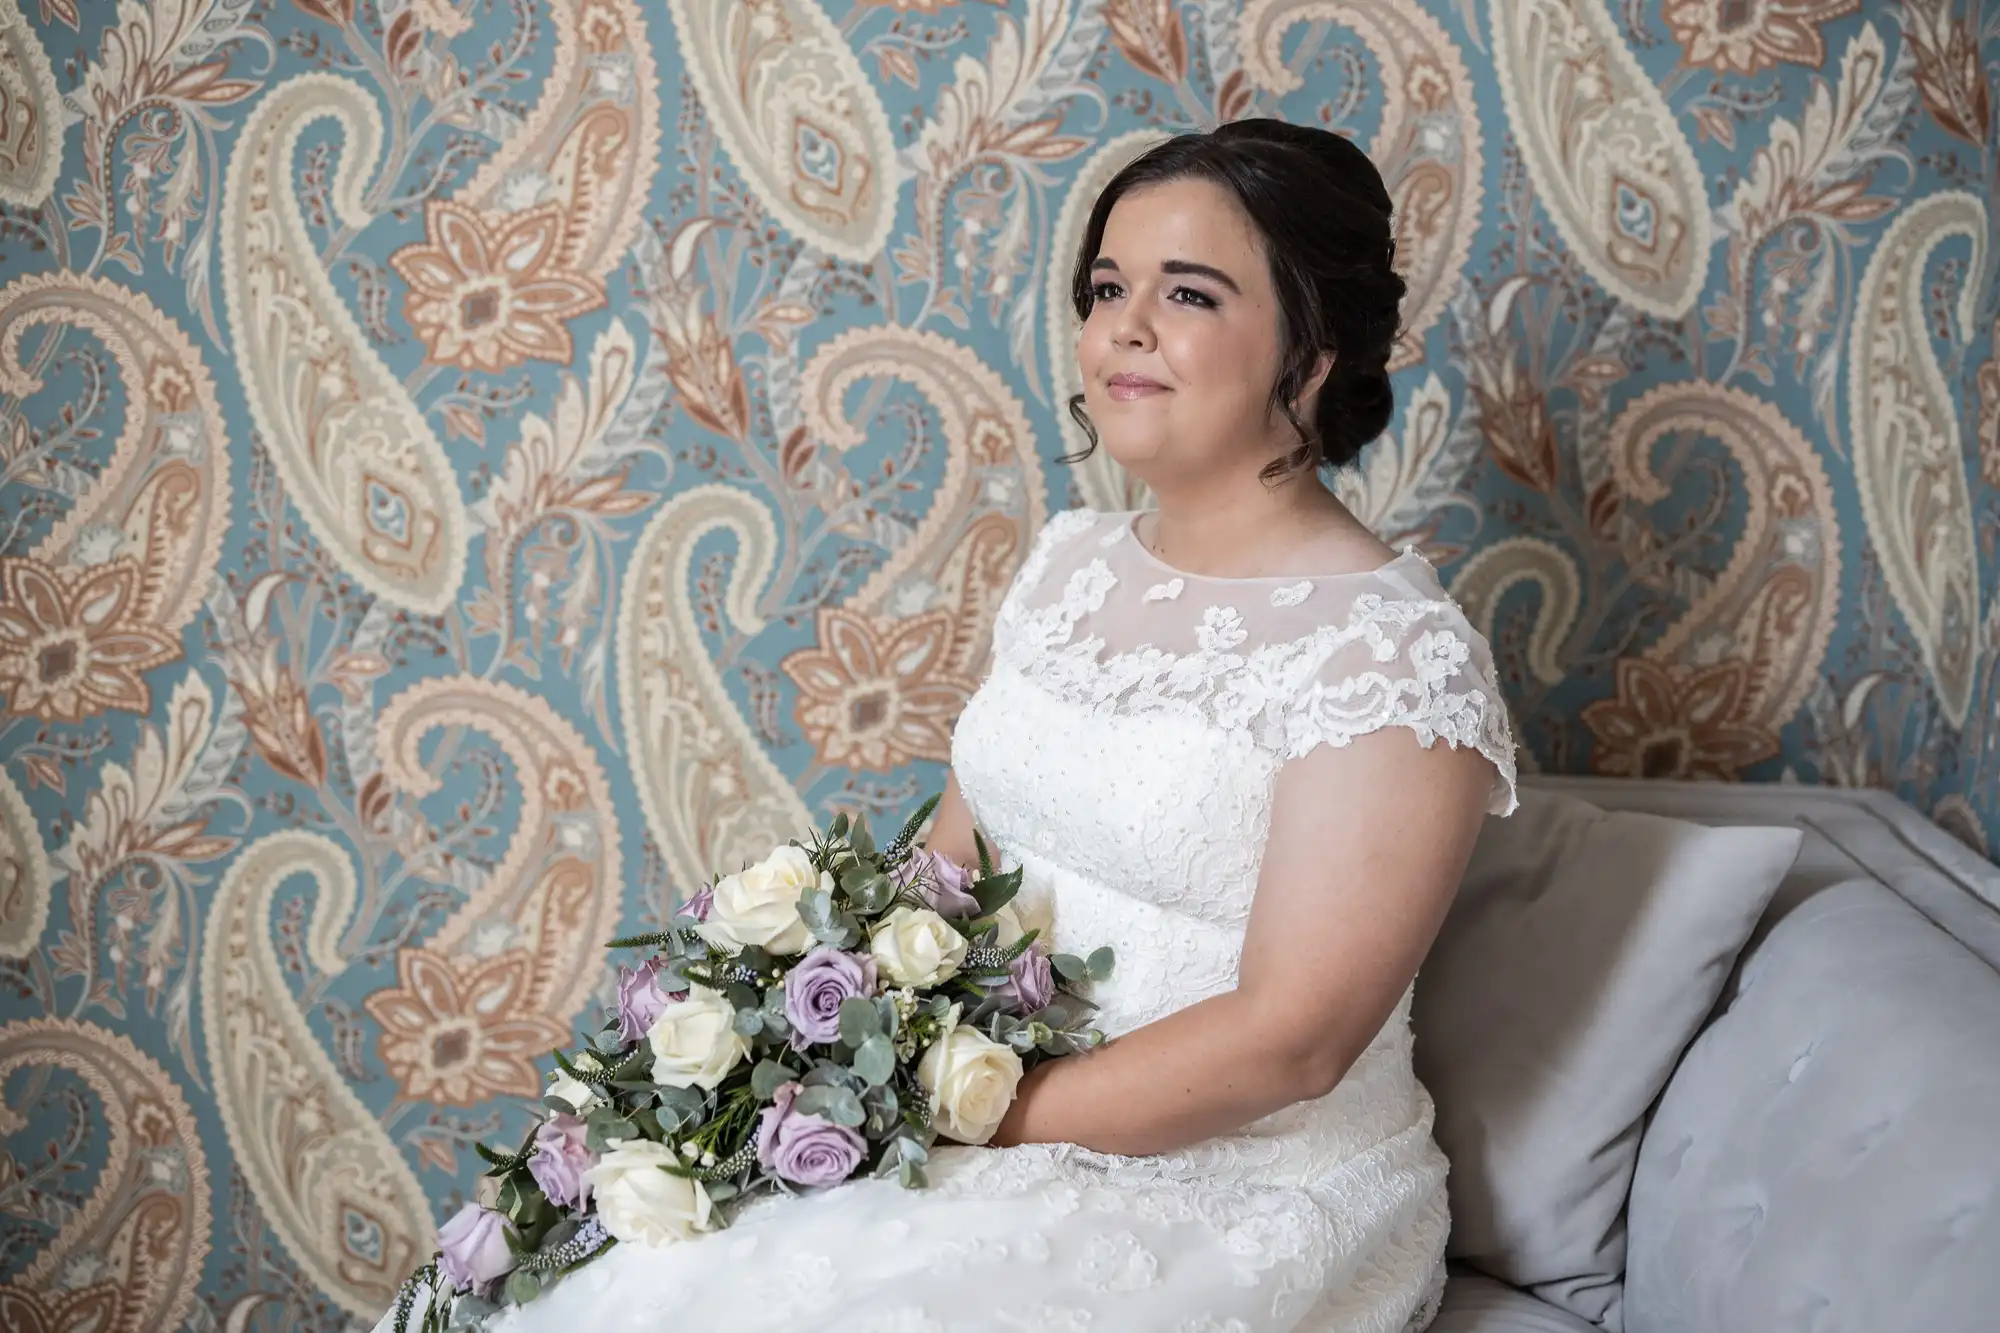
(470, 467)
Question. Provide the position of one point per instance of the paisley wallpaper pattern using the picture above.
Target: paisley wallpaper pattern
(469, 467)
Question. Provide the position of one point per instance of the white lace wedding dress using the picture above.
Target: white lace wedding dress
(1124, 749)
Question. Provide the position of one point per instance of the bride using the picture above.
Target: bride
(1209, 739)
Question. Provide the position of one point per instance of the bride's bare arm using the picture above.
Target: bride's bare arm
(1367, 845)
(951, 827)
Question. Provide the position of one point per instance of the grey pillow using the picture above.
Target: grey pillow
(1583, 954)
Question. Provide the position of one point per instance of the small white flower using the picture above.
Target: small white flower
(1165, 592)
(1221, 629)
(1086, 588)
(1437, 654)
(1292, 593)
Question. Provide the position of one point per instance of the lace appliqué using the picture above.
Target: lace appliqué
(1292, 594)
(1165, 592)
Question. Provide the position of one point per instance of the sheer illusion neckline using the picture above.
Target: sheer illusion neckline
(1129, 531)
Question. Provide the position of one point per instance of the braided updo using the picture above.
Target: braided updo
(1324, 215)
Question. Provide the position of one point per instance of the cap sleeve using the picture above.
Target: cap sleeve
(1407, 662)
(1059, 531)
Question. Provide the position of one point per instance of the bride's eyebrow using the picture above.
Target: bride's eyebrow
(1181, 267)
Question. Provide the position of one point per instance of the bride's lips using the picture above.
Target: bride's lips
(1131, 388)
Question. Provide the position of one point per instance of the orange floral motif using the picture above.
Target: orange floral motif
(450, 1030)
(487, 297)
(72, 641)
(1676, 722)
(1745, 36)
(879, 694)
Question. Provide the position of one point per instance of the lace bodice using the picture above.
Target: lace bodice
(1128, 738)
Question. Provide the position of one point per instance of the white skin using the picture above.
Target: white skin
(1367, 841)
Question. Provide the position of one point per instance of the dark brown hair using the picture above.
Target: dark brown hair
(1324, 215)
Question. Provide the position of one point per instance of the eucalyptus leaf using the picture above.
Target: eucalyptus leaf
(766, 1078)
(608, 1042)
(1069, 967)
(748, 1022)
(846, 931)
(844, 1108)
(720, 1190)
(742, 995)
(815, 1100)
(889, 1021)
(860, 839)
(522, 1287)
(883, 1107)
(1099, 963)
(858, 1020)
(838, 829)
(873, 894)
(875, 1062)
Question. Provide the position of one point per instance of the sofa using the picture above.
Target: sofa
(1825, 1154)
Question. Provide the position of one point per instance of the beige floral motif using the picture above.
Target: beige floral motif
(1989, 414)
(71, 641)
(124, 1253)
(877, 694)
(489, 297)
(441, 17)
(1676, 722)
(452, 1032)
(1745, 36)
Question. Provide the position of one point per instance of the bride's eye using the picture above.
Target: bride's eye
(1105, 291)
(1198, 299)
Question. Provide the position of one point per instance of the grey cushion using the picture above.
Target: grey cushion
(1583, 954)
(1827, 1157)
(1475, 1303)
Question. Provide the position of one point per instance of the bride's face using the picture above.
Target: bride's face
(1182, 343)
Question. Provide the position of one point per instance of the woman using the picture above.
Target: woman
(1208, 738)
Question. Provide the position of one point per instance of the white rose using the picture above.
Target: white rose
(971, 1081)
(575, 1091)
(760, 905)
(917, 947)
(643, 1204)
(695, 1041)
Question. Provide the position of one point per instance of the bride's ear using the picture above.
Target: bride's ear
(1315, 379)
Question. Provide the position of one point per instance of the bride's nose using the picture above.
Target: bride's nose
(1133, 331)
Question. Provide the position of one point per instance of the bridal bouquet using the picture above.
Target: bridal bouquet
(827, 1013)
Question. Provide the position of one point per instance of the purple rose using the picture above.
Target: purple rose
(815, 988)
(473, 1247)
(698, 906)
(1030, 983)
(943, 883)
(807, 1150)
(640, 998)
(560, 1160)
